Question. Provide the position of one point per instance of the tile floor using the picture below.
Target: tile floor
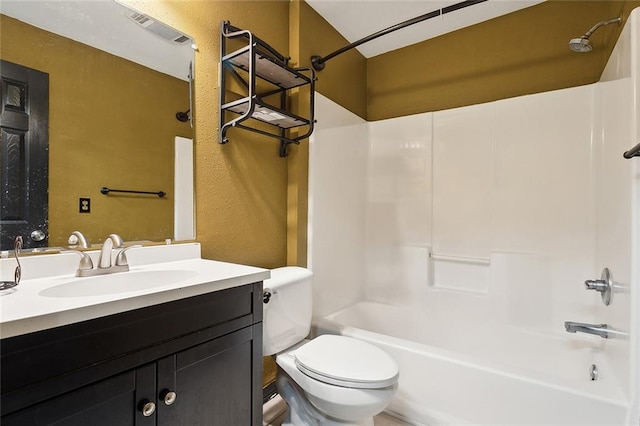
(275, 409)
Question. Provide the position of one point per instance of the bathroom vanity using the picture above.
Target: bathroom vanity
(187, 353)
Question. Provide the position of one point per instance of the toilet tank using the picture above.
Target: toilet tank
(287, 314)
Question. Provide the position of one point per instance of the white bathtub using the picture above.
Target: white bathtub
(485, 376)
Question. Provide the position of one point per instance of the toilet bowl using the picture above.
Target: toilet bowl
(329, 380)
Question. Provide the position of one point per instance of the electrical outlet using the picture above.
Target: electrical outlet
(85, 205)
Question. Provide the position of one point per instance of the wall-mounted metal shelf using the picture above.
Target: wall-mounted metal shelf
(258, 60)
(266, 113)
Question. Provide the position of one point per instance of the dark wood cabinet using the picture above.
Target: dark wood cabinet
(210, 383)
(201, 368)
(107, 402)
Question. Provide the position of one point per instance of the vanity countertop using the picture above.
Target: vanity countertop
(35, 304)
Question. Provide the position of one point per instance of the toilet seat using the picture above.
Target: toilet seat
(347, 362)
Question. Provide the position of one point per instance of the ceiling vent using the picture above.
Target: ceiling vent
(158, 28)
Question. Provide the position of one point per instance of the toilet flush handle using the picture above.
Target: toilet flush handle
(266, 295)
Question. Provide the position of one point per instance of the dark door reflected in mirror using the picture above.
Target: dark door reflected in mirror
(117, 101)
(24, 156)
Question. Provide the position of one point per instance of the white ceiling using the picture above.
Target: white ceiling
(105, 25)
(356, 19)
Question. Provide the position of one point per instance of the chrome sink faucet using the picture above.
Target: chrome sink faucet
(105, 266)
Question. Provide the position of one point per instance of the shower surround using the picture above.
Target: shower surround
(460, 241)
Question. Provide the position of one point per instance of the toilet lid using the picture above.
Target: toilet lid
(345, 361)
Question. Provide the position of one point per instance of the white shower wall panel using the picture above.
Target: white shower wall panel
(463, 152)
(398, 228)
(337, 187)
(544, 193)
(463, 175)
(516, 178)
(399, 180)
(614, 210)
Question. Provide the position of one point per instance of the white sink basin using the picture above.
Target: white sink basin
(117, 283)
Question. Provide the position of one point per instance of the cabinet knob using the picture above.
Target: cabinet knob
(148, 408)
(169, 397)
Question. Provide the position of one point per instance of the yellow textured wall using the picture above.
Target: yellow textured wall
(249, 199)
(521, 53)
(240, 187)
(110, 124)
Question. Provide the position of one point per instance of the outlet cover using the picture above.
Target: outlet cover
(85, 205)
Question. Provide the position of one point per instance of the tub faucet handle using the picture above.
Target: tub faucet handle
(604, 285)
(597, 285)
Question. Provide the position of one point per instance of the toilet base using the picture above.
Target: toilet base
(300, 412)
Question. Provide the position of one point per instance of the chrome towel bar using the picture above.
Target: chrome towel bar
(633, 152)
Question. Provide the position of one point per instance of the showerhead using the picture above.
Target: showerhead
(582, 44)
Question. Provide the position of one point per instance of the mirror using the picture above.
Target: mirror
(119, 99)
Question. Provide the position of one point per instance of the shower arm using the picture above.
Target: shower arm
(319, 62)
(601, 24)
(633, 152)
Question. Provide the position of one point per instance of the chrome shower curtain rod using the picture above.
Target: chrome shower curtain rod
(319, 62)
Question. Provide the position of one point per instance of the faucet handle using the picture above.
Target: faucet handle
(121, 258)
(597, 285)
(604, 285)
(85, 261)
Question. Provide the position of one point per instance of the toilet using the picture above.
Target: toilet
(329, 380)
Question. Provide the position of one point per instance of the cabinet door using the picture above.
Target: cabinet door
(212, 383)
(109, 402)
(113, 401)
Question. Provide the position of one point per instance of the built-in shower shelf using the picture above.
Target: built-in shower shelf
(266, 113)
(257, 60)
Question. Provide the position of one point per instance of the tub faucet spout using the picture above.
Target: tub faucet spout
(601, 330)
